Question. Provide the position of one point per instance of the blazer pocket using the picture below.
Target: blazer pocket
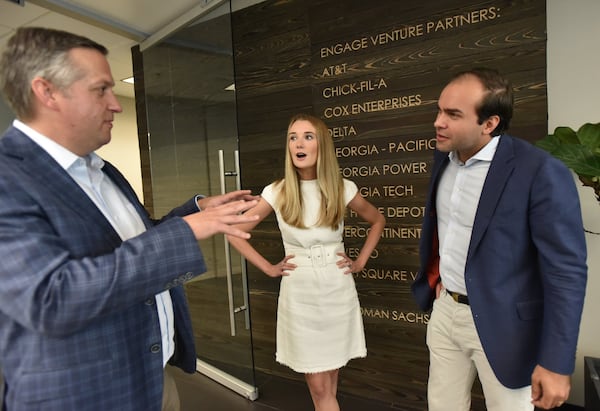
(530, 310)
(45, 385)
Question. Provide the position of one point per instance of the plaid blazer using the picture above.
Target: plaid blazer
(79, 328)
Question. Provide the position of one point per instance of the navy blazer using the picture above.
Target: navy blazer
(526, 266)
(79, 328)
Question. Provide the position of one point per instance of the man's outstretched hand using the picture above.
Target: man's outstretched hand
(221, 215)
(214, 201)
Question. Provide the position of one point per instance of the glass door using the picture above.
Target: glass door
(192, 135)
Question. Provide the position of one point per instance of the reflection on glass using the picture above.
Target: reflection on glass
(190, 104)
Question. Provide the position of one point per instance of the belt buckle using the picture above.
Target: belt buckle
(317, 254)
(459, 298)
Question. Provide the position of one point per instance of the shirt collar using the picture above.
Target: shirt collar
(63, 156)
(485, 154)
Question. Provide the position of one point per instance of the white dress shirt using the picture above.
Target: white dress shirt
(87, 173)
(456, 203)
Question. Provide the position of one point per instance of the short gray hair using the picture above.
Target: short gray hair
(39, 52)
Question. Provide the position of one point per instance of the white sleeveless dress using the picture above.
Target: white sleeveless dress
(319, 323)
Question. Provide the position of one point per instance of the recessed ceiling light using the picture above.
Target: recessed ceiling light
(128, 80)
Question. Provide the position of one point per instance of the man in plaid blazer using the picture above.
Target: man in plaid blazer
(88, 290)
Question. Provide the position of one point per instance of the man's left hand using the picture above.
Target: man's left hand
(214, 201)
(549, 389)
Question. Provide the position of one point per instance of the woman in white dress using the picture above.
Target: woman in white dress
(319, 323)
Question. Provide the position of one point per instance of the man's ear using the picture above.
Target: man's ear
(490, 124)
(44, 92)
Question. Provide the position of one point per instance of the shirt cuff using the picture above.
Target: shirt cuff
(196, 198)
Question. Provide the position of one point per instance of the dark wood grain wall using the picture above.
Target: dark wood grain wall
(373, 71)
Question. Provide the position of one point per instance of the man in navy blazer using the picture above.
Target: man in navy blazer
(503, 257)
(91, 300)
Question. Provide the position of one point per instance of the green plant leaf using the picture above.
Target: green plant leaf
(550, 143)
(580, 151)
(579, 158)
(589, 136)
(566, 135)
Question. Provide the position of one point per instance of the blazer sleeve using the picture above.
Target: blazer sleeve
(557, 231)
(63, 266)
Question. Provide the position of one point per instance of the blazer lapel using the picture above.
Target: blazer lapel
(433, 263)
(501, 168)
(127, 190)
(56, 180)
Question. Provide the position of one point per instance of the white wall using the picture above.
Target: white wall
(573, 90)
(123, 150)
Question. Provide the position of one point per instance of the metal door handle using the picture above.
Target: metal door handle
(229, 271)
(238, 185)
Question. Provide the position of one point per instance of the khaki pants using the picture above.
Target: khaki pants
(170, 401)
(456, 358)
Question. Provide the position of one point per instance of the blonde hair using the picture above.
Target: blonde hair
(329, 180)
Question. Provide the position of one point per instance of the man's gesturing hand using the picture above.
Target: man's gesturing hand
(217, 200)
(221, 219)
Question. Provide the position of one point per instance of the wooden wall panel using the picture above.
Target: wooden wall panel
(373, 71)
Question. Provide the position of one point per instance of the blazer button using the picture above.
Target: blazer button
(149, 301)
(155, 348)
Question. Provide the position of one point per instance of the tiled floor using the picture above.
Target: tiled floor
(198, 392)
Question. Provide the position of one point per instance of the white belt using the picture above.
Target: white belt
(318, 255)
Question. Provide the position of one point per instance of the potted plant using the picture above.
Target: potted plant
(579, 150)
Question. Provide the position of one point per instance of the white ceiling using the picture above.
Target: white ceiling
(116, 24)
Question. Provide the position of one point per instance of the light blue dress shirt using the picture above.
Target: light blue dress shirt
(456, 202)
